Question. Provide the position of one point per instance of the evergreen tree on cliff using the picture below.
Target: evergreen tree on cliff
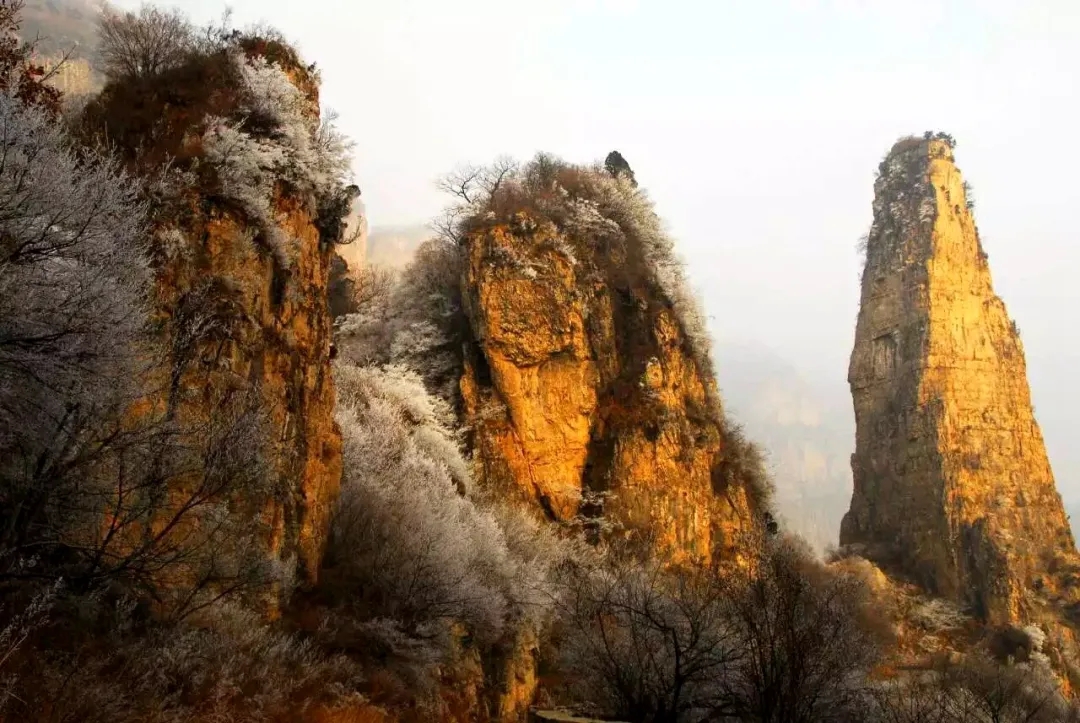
(616, 165)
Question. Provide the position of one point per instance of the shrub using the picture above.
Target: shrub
(421, 571)
(406, 542)
(810, 639)
(226, 666)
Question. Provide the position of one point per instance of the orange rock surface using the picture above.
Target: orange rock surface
(582, 395)
(953, 488)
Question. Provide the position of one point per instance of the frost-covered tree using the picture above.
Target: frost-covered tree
(73, 280)
(409, 540)
(273, 137)
(415, 322)
(99, 483)
(809, 638)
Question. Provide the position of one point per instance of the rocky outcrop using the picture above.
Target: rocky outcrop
(583, 392)
(242, 251)
(952, 485)
(274, 337)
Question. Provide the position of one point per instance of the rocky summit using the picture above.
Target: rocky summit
(952, 486)
(588, 384)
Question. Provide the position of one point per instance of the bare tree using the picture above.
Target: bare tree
(982, 690)
(472, 188)
(780, 640)
(917, 698)
(473, 184)
(645, 641)
(143, 44)
(807, 635)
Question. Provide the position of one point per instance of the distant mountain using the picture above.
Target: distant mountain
(394, 246)
(62, 28)
(806, 427)
(60, 25)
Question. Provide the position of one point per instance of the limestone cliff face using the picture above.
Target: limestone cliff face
(583, 395)
(242, 251)
(271, 333)
(952, 486)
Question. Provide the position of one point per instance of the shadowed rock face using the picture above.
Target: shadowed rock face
(952, 485)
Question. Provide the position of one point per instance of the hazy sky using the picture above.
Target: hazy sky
(756, 126)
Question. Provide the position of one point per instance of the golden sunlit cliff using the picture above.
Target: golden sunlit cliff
(953, 487)
(588, 388)
(242, 260)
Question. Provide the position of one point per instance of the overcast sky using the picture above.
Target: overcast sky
(756, 126)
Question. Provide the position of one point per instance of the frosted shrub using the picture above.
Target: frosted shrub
(247, 169)
(231, 666)
(273, 136)
(1038, 639)
(316, 155)
(417, 323)
(539, 553)
(410, 542)
(402, 532)
(73, 272)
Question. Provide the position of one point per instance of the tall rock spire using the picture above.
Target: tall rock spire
(952, 485)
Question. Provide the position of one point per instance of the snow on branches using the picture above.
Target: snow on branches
(273, 137)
